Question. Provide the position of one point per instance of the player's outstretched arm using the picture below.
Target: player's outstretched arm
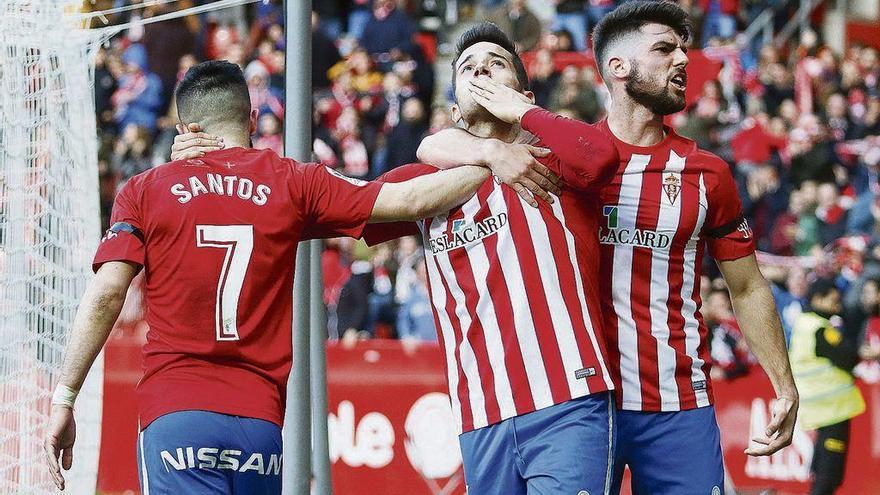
(515, 164)
(98, 310)
(756, 313)
(427, 196)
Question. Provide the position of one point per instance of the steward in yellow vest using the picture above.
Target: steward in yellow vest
(822, 360)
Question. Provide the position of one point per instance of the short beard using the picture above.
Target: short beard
(657, 99)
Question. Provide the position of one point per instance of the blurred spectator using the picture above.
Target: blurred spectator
(515, 19)
(719, 19)
(571, 16)
(138, 99)
(269, 130)
(329, 12)
(812, 156)
(362, 76)
(324, 55)
(165, 42)
(404, 138)
(576, 92)
(105, 86)
(415, 319)
(358, 18)
(388, 33)
(263, 97)
(730, 354)
(596, 9)
(788, 304)
(131, 153)
(543, 77)
(830, 214)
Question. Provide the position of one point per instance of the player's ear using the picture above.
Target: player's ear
(255, 115)
(618, 67)
(456, 113)
(529, 95)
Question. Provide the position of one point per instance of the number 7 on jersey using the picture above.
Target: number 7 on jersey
(238, 241)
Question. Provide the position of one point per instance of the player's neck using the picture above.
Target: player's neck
(235, 141)
(494, 129)
(634, 123)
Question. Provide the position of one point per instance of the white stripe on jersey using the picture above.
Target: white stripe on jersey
(438, 296)
(466, 352)
(479, 261)
(559, 315)
(689, 308)
(630, 192)
(522, 317)
(582, 298)
(659, 309)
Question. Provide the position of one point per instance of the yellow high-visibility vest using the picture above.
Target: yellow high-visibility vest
(828, 394)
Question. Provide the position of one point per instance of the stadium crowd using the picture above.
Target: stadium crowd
(800, 127)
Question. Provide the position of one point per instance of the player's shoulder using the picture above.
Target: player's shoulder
(697, 158)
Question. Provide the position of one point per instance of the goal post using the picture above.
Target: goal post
(49, 227)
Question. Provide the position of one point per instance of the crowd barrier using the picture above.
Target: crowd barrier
(392, 432)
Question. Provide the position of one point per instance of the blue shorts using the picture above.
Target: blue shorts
(670, 453)
(202, 452)
(562, 449)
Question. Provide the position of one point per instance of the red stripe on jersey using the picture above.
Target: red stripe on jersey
(525, 251)
(500, 294)
(467, 415)
(476, 335)
(566, 272)
(611, 195)
(690, 195)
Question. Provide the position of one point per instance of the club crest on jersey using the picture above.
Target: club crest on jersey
(671, 186)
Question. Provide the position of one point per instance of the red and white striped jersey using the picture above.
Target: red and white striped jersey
(515, 289)
(664, 206)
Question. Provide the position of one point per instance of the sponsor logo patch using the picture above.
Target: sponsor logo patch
(585, 373)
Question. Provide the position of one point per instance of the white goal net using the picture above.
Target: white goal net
(49, 227)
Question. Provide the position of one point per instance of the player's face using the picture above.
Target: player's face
(481, 59)
(657, 78)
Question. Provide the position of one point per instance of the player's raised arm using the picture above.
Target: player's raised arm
(98, 310)
(428, 195)
(587, 157)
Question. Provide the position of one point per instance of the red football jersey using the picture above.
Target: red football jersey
(217, 238)
(666, 204)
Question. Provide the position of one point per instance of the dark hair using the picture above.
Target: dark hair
(820, 287)
(631, 16)
(490, 33)
(214, 93)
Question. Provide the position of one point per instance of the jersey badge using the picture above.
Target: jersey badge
(671, 186)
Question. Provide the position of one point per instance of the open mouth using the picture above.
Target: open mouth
(679, 81)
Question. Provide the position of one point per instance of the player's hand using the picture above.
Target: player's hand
(507, 104)
(517, 166)
(191, 143)
(779, 431)
(60, 435)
